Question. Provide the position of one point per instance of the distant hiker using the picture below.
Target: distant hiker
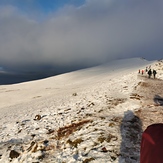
(149, 73)
(146, 70)
(142, 72)
(154, 73)
(139, 71)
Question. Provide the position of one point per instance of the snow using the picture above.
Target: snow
(82, 116)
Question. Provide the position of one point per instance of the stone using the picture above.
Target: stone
(14, 154)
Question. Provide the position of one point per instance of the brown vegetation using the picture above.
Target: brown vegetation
(75, 142)
(67, 130)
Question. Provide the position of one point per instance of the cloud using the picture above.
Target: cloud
(95, 32)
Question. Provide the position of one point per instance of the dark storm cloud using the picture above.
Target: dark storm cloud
(92, 33)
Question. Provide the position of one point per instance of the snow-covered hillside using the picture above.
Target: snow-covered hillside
(91, 115)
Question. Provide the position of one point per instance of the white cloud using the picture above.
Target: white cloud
(95, 32)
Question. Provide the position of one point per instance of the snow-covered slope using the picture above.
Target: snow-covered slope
(77, 117)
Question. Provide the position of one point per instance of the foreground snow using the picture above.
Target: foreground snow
(84, 116)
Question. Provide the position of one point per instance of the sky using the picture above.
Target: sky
(54, 34)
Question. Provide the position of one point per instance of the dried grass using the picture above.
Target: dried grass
(67, 130)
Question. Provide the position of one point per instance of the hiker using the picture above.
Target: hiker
(142, 72)
(146, 70)
(149, 73)
(139, 71)
(154, 73)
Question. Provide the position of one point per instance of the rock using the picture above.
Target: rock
(13, 154)
(104, 149)
(32, 144)
(37, 117)
(46, 141)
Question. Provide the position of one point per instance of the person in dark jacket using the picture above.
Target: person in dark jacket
(139, 71)
(154, 73)
(149, 73)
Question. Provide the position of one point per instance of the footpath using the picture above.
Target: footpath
(150, 91)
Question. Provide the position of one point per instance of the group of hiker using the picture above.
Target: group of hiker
(149, 72)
